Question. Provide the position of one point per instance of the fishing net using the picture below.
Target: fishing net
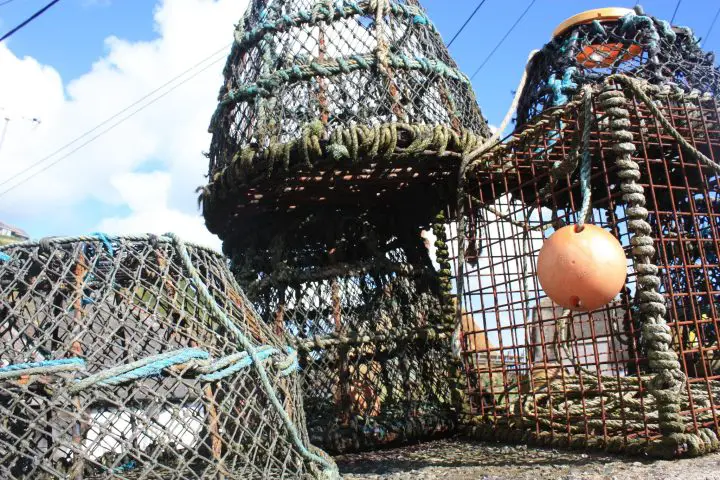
(312, 86)
(372, 332)
(636, 45)
(140, 357)
(640, 374)
(337, 139)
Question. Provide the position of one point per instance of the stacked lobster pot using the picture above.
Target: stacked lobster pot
(619, 126)
(337, 139)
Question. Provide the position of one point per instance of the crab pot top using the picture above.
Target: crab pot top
(594, 44)
(344, 90)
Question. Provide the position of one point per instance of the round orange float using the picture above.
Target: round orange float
(581, 269)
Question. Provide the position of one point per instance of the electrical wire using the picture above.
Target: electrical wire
(502, 40)
(677, 5)
(101, 133)
(30, 19)
(707, 35)
(117, 114)
(466, 22)
(4, 132)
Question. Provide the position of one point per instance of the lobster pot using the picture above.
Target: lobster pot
(369, 318)
(592, 45)
(328, 100)
(339, 132)
(140, 357)
(641, 373)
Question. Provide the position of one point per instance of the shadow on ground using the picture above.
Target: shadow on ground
(466, 459)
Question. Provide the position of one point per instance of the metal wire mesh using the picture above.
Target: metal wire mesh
(318, 88)
(636, 45)
(538, 374)
(140, 357)
(334, 116)
(366, 314)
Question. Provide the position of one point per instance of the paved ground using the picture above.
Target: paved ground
(465, 460)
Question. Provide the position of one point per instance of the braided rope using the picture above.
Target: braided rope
(42, 368)
(586, 164)
(638, 89)
(193, 359)
(353, 143)
(669, 381)
(264, 85)
(331, 470)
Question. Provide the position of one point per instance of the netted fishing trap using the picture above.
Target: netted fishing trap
(640, 374)
(140, 357)
(592, 45)
(338, 136)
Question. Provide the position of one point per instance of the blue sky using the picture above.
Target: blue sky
(71, 39)
(71, 35)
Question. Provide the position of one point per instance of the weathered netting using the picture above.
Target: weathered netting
(640, 375)
(312, 86)
(636, 45)
(338, 137)
(368, 317)
(140, 357)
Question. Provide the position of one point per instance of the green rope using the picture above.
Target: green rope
(265, 84)
(352, 143)
(668, 384)
(321, 14)
(331, 471)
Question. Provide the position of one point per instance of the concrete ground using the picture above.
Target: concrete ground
(466, 459)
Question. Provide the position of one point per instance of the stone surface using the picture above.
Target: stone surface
(465, 460)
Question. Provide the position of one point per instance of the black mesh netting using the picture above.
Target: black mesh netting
(317, 85)
(338, 137)
(636, 45)
(367, 315)
(141, 358)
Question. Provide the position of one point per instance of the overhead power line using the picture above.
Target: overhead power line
(707, 35)
(5, 2)
(677, 5)
(502, 40)
(30, 19)
(466, 23)
(110, 119)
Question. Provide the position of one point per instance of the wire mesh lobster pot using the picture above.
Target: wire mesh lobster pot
(369, 316)
(337, 138)
(140, 357)
(592, 45)
(640, 374)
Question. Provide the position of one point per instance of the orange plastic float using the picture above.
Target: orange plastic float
(581, 270)
(606, 54)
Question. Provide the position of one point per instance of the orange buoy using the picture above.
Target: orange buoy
(581, 270)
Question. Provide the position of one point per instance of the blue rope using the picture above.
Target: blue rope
(143, 368)
(106, 241)
(42, 367)
(560, 87)
(4, 257)
(154, 366)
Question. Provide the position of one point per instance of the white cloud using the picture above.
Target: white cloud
(169, 135)
(146, 195)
